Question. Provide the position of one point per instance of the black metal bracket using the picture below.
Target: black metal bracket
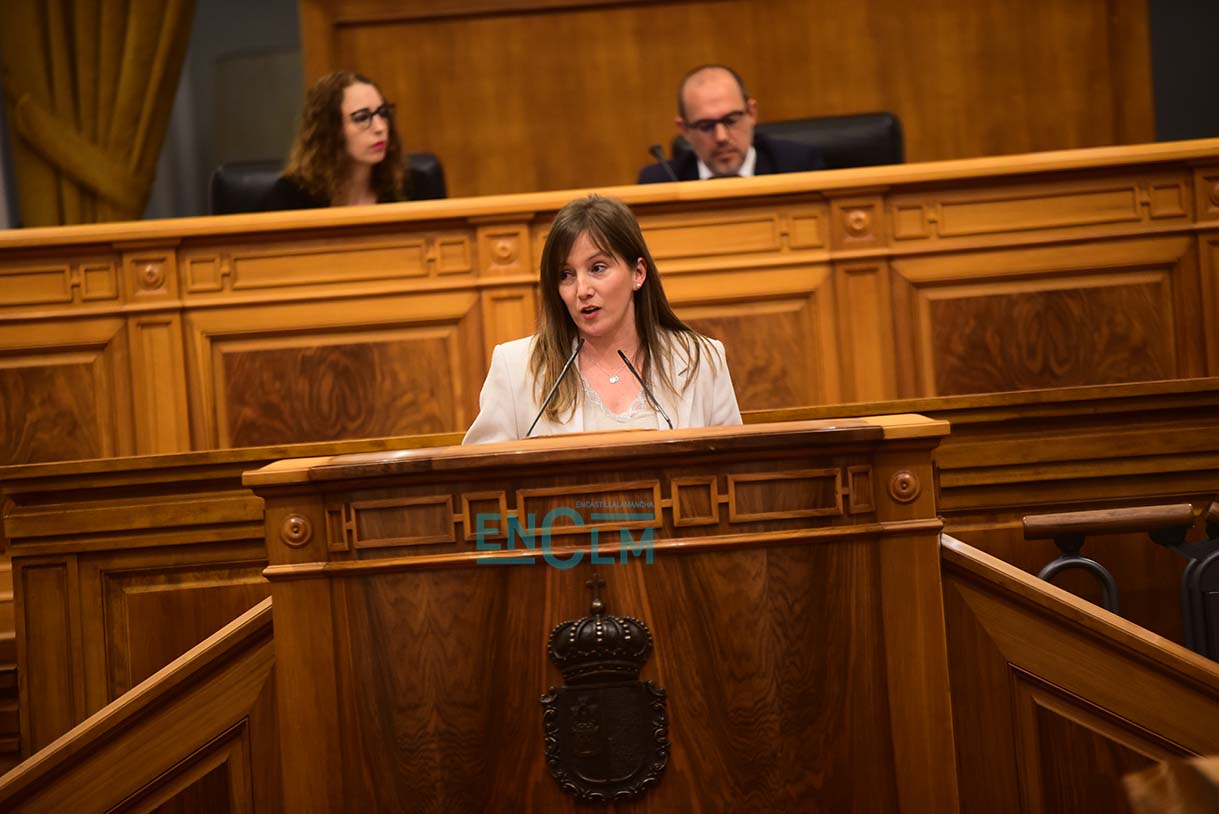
(1070, 545)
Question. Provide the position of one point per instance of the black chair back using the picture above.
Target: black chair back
(857, 140)
(240, 186)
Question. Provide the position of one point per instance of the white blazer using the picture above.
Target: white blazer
(508, 404)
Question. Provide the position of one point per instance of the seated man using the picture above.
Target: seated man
(717, 117)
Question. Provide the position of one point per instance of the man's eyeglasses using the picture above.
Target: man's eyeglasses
(707, 126)
(362, 118)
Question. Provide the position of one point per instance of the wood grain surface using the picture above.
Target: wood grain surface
(483, 86)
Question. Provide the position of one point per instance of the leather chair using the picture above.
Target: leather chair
(857, 140)
(239, 186)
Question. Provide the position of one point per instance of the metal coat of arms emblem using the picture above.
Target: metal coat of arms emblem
(607, 733)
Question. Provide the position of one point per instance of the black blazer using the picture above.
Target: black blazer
(287, 194)
(774, 156)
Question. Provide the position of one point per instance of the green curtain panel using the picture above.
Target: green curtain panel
(89, 86)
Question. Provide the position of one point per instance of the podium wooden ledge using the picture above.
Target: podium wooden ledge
(593, 447)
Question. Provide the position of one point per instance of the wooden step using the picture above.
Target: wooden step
(8, 647)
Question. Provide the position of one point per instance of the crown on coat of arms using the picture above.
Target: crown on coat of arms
(599, 647)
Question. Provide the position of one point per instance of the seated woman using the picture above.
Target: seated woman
(601, 295)
(347, 150)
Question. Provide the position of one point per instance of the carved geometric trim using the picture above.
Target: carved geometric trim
(773, 502)
(452, 255)
(1166, 200)
(859, 489)
(1206, 192)
(205, 273)
(726, 234)
(910, 222)
(701, 490)
(804, 230)
(431, 518)
(339, 528)
(98, 281)
(474, 504)
(35, 286)
(379, 260)
(633, 505)
(53, 284)
(1077, 207)
(502, 250)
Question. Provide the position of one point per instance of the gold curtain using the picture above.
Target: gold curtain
(89, 86)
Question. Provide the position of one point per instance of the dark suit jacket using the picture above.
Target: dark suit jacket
(774, 156)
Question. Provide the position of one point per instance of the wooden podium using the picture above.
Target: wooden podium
(788, 575)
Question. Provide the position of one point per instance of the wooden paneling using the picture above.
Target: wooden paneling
(1010, 319)
(1016, 454)
(1042, 719)
(50, 702)
(490, 88)
(121, 565)
(63, 388)
(791, 684)
(198, 736)
(343, 378)
(986, 275)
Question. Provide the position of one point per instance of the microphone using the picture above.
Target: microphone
(555, 387)
(659, 155)
(646, 391)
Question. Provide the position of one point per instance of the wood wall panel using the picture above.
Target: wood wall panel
(310, 372)
(1074, 751)
(139, 591)
(992, 275)
(64, 386)
(761, 327)
(121, 565)
(1009, 318)
(779, 704)
(493, 90)
(161, 410)
(1054, 699)
(973, 350)
(1209, 295)
(328, 392)
(50, 702)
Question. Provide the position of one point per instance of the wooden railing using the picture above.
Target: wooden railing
(1055, 699)
(199, 734)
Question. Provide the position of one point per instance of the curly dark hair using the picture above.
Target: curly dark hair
(319, 162)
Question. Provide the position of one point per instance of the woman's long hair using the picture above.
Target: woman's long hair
(319, 162)
(613, 229)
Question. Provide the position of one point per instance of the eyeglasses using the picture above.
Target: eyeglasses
(707, 126)
(362, 118)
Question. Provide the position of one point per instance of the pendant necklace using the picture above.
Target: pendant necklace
(613, 377)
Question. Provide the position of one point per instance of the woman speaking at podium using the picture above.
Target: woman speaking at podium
(610, 353)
